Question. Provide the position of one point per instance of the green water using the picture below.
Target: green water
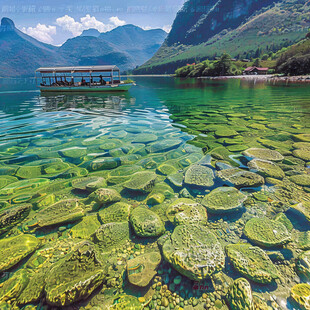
(80, 172)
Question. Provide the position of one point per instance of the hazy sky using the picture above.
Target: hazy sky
(54, 21)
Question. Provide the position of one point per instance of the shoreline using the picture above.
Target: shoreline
(262, 78)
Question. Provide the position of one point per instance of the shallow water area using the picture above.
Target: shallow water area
(159, 198)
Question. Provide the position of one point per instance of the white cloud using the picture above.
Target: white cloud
(116, 21)
(167, 28)
(41, 32)
(76, 27)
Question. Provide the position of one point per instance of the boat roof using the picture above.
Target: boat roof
(78, 69)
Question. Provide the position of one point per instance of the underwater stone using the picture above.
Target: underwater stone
(302, 137)
(301, 179)
(194, 252)
(266, 168)
(118, 212)
(265, 154)
(55, 168)
(146, 223)
(266, 232)
(64, 211)
(198, 175)
(76, 276)
(303, 154)
(303, 264)
(164, 145)
(155, 198)
(252, 262)
(14, 249)
(103, 196)
(142, 269)
(302, 239)
(141, 181)
(122, 174)
(73, 152)
(240, 295)
(89, 183)
(186, 211)
(86, 228)
(167, 169)
(8, 170)
(301, 145)
(226, 132)
(282, 218)
(145, 138)
(72, 173)
(29, 172)
(303, 208)
(111, 235)
(110, 144)
(10, 217)
(176, 179)
(124, 302)
(241, 178)
(105, 163)
(224, 199)
(300, 294)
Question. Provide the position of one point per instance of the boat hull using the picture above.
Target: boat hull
(86, 89)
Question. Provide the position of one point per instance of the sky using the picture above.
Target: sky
(55, 21)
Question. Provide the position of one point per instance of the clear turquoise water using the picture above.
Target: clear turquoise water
(35, 128)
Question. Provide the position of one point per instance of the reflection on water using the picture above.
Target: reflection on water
(89, 182)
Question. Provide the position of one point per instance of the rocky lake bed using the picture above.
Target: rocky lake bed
(194, 198)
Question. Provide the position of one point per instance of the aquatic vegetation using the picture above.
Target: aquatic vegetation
(194, 251)
(224, 199)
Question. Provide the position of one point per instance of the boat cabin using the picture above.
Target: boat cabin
(87, 76)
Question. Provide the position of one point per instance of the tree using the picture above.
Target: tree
(223, 65)
(256, 62)
(308, 35)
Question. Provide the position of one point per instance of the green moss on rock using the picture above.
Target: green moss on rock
(265, 154)
(141, 181)
(300, 294)
(198, 175)
(118, 212)
(266, 168)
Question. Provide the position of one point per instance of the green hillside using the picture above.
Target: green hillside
(267, 30)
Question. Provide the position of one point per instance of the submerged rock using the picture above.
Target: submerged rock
(118, 212)
(141, 181)
(29, 172)
(300, 294)
(252, 262)
(142, 269)
(104, 196)
(224, 199)
(112, 235)
(146, 223)
(14, 249)
(145, 138)
(301, 179)
(241, 178)
(303, 208)
(186, 211)
(265, 154)
(64, 211)
(86, 228)
(194, 251)
(303, 154)
(10, 217)
(266, 232)
(199, 175)
(89, 183)
(164, 145)
(303, 264)
(76, 276)
(266, 168)
(122, 174)
(240, 295)
(302, 137)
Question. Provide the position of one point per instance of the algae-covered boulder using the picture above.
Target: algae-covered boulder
(125, 302)
(199, 175)
(76, 276)
(266, 232)
(194, 251)
(164, 145)
(266, 168)
(29, 172)
(86, 228)
(6, 180)
(142, 269)
(146, 223)
(186, 211)
(105, 163)
(122, 174)
(112, 235)
(226, 132)
(300, 294)
(145, 138)
(141, 181)
(252, 262)
(265, 154)
(64, 211)
(12, 288)
(89, 183)
(282, 218)
(303, 154)
(304, 137)
(303, 264)
(240, 295)
(103, 196)
(73, 152)
(301, 179)
(303, 208)
(12, 216)
(14, 249)
(241, 178)
(118, 212)
(224, 199)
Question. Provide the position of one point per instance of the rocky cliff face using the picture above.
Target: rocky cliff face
(199, 20)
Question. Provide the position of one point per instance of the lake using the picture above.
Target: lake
(160, 198)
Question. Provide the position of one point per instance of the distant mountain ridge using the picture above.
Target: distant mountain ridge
(126, 46)
(207, 28)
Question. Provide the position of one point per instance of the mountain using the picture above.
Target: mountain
(204, 29)
(22, 54)
(126, 46)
